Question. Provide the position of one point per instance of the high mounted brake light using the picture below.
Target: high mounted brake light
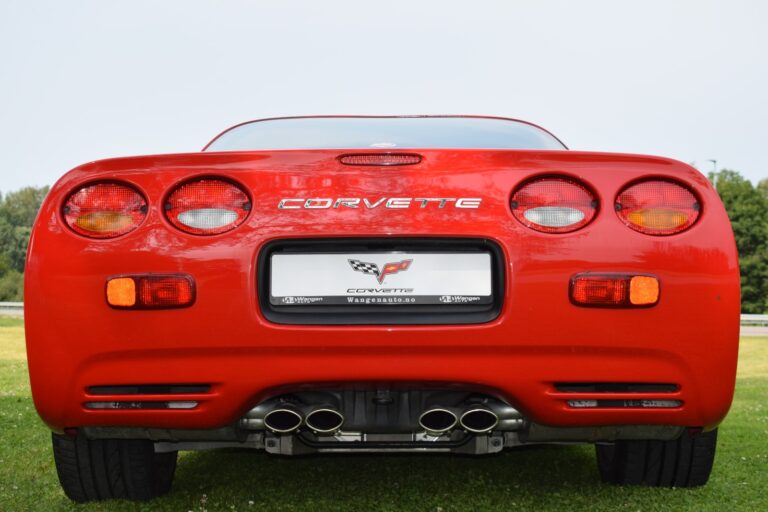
(554, 205)
(384, 159)
(104, 210)
(151, 291)
(657, 207)
(207, 206)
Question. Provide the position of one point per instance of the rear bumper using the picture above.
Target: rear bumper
(522, 375)
(539, 338)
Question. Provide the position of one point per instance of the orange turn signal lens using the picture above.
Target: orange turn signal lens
(121, 292)
(151, 291)
(614, 290)
(643, 290)
(661, 219)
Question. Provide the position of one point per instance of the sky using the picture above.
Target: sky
(84, 80)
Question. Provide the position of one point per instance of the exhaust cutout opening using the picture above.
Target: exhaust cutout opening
(282, 420)
(325, 420)
(438, 420)
(479, 420)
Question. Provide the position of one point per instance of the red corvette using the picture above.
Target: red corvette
(335, 284)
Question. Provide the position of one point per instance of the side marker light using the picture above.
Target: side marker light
(614, 290)
(151, 291)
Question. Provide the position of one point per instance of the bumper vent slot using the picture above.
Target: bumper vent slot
(624, 404)
(151, 389)
(614, 387)
(182, 405)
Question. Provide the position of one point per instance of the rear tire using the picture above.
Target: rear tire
(682, 462)
(106, 469)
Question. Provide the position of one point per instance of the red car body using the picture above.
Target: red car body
(539, 337)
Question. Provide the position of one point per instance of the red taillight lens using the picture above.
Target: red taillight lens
(614, 290)
(161, 291)
(554, 205)
(151, 291)
(599, 291)
(658, 207)
(104, 210)
(385, 159)
(207, 206)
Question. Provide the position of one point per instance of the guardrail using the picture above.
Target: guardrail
(17, 309)
(12, 309)
(754, 320)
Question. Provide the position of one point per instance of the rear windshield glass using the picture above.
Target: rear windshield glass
(383, 133)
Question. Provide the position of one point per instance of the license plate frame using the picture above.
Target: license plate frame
(436, 312)
(390, 278)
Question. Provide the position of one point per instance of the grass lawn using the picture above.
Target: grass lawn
(562, 478)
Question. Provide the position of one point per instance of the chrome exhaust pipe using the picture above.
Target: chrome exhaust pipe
(479, 420)
(438, 420)
(283, 420)
(324, 420)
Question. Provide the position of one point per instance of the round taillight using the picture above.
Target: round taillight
(207, 206)
(657, 207)
(104, 210)
(554, 205)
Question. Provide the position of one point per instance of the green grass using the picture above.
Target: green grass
(536, 478)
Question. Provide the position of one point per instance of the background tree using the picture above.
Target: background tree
(747, 207)
(20, 208)
(762, 187)
(17, 213)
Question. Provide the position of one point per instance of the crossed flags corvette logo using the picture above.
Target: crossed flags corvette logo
(373, 269)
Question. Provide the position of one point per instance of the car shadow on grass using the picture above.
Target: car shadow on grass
(393, 482)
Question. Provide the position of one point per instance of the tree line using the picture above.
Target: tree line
(746, 204)
(17, 213)
(747, 207)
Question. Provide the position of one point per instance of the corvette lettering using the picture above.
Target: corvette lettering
(325, 203)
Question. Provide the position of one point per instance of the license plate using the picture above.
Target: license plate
(380, 279)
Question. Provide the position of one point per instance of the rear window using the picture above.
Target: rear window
(384, 133)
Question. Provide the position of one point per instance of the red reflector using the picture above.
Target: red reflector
(381, 159)
(104, 210)
(602, 291)
(614, 290)
(152, 291)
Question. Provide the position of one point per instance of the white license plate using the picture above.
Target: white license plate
(380, 278)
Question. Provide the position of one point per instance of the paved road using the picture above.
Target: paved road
(754, 330)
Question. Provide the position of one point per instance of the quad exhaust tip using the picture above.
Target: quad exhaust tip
(325, 420)
(282, 420)
(438, 420)
(479, 420)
